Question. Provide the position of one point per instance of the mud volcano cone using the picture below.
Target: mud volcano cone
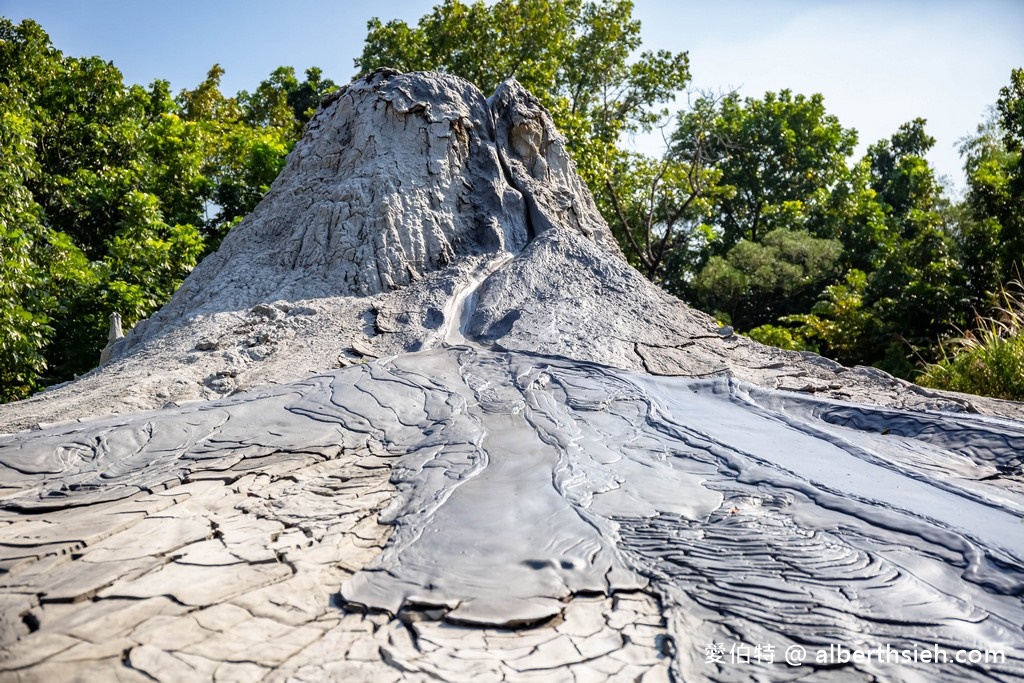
(418, 419)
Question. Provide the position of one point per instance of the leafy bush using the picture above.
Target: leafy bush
(840, 323)
(780, 337)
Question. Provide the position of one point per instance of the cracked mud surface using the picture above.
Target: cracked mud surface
(495, 514)
(419, 420)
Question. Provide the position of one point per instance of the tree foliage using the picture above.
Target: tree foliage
(782, 155)
(756, 283)
(991, 227)
(110, 193)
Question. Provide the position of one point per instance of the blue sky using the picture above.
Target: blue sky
(878, 63)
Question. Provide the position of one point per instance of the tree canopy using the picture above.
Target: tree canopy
(110, 193)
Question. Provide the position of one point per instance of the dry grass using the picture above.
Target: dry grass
(988, 360)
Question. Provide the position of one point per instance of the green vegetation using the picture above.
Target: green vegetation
(988, 360)
(111, 193)
(756, 211)
(758, 282)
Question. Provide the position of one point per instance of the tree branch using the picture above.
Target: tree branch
(625, 224)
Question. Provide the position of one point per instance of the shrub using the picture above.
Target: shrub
(780, 337)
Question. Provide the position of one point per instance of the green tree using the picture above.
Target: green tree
(25, 302)
(858, 220)
(756, 283)
(991, 229)
(88, 130)
(780, 200)
(782, 155)
(111, 193)
(148, 259)
(24, 327)
(244, 141)
(282, 102)
(840, 325)
(987, 205)
(654, 208)
(902, 178)
(173, 160)
(917, 288)
(989, 234)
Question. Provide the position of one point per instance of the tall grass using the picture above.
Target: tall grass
(988, 360)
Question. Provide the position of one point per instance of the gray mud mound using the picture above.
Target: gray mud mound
(419, 420)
